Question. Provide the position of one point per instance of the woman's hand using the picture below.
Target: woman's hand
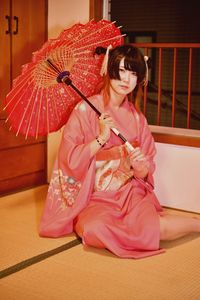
(105, 124)
(139, 163)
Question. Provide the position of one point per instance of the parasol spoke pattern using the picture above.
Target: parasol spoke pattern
(38, 104)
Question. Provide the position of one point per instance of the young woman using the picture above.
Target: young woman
(99, 187)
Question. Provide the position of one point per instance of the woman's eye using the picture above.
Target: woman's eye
(122, 70)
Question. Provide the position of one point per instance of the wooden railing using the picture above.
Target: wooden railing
(190, 74)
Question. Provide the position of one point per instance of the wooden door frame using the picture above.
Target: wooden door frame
(96, 10)
(23, 162)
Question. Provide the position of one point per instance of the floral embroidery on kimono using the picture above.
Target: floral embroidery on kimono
(63, 188)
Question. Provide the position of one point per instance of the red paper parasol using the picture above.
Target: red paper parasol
(38, 104)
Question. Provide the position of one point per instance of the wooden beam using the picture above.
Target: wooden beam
(96, 10)
(176, 139)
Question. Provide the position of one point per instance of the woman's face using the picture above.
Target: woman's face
(127, 83)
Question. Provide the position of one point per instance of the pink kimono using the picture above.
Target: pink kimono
(97, 196)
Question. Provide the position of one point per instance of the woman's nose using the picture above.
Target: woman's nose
(126, 76)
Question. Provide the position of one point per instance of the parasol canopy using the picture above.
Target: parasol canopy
(40, 102)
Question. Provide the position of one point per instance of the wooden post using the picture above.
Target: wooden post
(96, 10)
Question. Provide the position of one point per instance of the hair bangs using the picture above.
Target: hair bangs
(133, 61)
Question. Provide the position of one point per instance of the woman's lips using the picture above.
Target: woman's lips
(125, 87)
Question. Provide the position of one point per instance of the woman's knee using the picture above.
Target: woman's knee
(78, 228)
(90, 232)
(85, 226)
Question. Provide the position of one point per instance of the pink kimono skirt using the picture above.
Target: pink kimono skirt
(124, 221)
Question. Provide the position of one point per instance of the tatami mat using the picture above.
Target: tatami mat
(82, 273)
(79, 274)
(19, 219)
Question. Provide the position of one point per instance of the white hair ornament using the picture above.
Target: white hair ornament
(104, 67)
(147, 71)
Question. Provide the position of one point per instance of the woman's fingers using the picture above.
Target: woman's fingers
(104, 116)
(136, 154)
(138, 160)
(140, 157)
(105, 123)
(106, 120)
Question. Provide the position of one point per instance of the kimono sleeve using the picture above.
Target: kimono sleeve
(148, 146)
(74, 154)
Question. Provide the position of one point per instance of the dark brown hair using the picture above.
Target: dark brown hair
(133, 61)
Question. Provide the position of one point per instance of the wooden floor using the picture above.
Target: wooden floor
(84, 272)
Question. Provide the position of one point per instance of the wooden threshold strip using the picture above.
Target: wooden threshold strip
(35, 259)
